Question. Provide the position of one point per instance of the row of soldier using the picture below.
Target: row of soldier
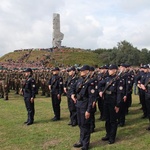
(14, 80)
(105, 84)
(111, 89)
(142, 81)
(112, 92)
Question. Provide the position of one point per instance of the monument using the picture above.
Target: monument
(57, 35)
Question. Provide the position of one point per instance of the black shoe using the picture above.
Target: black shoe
(121, 124)
(148, 128)
(143, 117)
(55, 119)
(84, 148)
(106, 138)
(74, 124)
(111, 142)
(92, 130)
(25, 122)
(29, 123)
(77, 144)
(70, 123)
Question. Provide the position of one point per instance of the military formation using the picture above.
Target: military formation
(107, 88)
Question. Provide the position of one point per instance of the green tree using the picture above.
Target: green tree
(144, 56)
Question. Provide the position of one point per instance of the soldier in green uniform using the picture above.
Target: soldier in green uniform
(4, 84)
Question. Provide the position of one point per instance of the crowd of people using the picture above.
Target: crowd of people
(108, 87)
(23, 60)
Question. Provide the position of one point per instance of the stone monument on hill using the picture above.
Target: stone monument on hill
(57, 35)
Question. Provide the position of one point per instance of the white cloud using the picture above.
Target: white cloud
(85, 24)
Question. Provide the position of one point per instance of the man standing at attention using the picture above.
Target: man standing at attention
(56, 88)
(29, 90)
(72, 78)
(112, 101)
(83, 94)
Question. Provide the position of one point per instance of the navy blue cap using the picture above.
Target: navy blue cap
(85, 67)
(104, 67)
(127, 65)
(28, 70)
(145, 66)
(123, 65)
(55, 69)
(112, 67)
(92, 68)
(71, 69)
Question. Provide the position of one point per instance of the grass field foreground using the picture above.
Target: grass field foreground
(47, 135)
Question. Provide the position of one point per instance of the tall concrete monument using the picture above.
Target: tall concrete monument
(57, 35)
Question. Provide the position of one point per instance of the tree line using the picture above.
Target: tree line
(124, 52)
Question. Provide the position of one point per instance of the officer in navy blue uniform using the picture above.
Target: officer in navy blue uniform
(130, 81)
(139, 78)
(29, 90)
(56, 89)
(138, 82)
(145, 85)
(103, 73)
(111, 103)
(94, 85)
(83, 95)
(72, 78)
(123, 90)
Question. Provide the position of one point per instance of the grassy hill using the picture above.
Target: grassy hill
(65, 56)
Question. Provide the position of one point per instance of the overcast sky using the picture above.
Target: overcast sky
(88, 24)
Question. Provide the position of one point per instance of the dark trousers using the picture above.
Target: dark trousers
(143, 102)
(72, 110)
(128, 102)
(30, 109)
(101, 107)
(92, 119)
(111, 120)
(56, 105)
(122, 113)
(84, 125)
(147, 100)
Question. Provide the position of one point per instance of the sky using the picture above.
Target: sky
(87, 24)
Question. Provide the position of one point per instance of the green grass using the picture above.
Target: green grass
(12, 55)
(47, 135)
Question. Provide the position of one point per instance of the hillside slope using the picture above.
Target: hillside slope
(63, 57)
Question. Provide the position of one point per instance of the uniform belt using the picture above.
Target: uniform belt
(79, 97)
(80, 100)
(27, 90)
(108, 92)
